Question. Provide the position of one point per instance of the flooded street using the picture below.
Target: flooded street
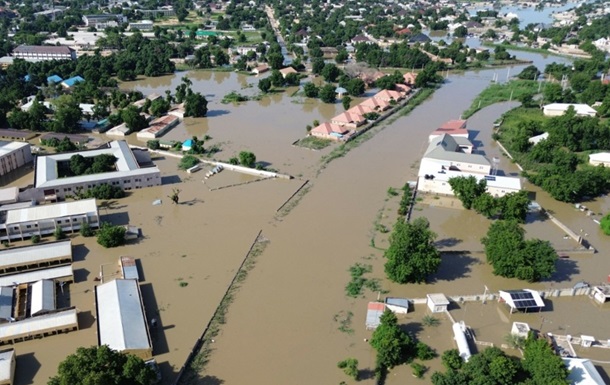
(283, 324)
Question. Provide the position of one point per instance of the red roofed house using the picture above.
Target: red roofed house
(261, 69)
(410, 78)
(349, 120)
(403, 88)
(329, 131)
(287, 70)
(456, 128)
(389, 95)
(359, 109)
(404, 31)
(376, 104)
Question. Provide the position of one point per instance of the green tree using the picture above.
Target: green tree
(460, 31)
(133, 119)
(327, 94)
(67, 114)
(514, 206)
(542, 364)
(247, 158)
(452, 360)
(110, 235)
(59, 233)
(264, 85)
(411, 256)
(346, 101)
(487, 205)
(85, 229)
(275, 60)
(102, 365)
(159, 106)
(317, 65)
(187, 162)
(393, 345)
(195, 105)
(311, 90)
(153, 144)
(292, 79)
(605, 224)
(330, 72)
(467, 189)
(355, 87)
(529, 73)
(350, 367)
(277, 80)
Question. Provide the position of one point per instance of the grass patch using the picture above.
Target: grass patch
(183, 284)
(429, 320)
(345, 321)
(234, 97)
(313, 143)
(521, 48)
(496, 93)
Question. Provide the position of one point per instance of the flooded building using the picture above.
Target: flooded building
(601, 158)
(398, 305)
(601, 294)
(558, 109)
(42, 297)
(158, 127)
(37, 327)
(349, 120)
(16, 135)
(59, 274)
(129, 268)
(7, 366)
(455, 128)
(329, 131)
(25, 258)
(134, 170)
(121, 320)
(14, 155)
(44, 52)
(374, 311)
(582, 372)
(23, 223)
(437, 303)
(6, 303)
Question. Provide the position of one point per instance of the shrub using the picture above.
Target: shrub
(35, 239)
(605, 224)
(429, 320)
(418, 370)
(425, 352)
(111, 236)
(86, 230)
(350, 367)
(59, 234)
(187, 162)
(153, 144)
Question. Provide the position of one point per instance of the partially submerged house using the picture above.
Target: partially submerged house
(374, 311)
(437, 303)
(329, 131)
(348, 119)
(558, 109)
(43, 297)
(398, 305)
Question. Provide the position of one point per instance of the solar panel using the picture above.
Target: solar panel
(490, 178)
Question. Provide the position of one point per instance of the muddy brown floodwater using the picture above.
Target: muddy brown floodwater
(283, 324)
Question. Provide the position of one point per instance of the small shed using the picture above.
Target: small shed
(437, 303)
(7, 366)
(43, 297)
(129, 269)
(520, 329)
(586, 341)
(397, 305)
(525, 300)
(373, 315)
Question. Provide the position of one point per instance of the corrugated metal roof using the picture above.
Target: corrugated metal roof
(6, 302)
(35, 325)
(6, 365)
(58, 210)
(130, 269)
(27, 255)
(373, 314)
(43, 296)
(37, 275)
(121, 322)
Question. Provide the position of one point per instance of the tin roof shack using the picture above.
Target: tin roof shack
(582, 372)
(43, 297)
(437, 303)
(525, 300)
(121, 321)
(398, 305)
(129, 269)
(374, 311)
(7, 366)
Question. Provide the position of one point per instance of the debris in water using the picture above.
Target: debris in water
(157, 202)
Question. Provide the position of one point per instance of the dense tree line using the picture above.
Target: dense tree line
(540, 365)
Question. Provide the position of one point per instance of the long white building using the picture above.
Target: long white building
(134, 170)
(14, 155)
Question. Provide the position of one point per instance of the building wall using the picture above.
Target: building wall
(474, 168)
(437, 186)
(126, 183)
(15, 159)
(599, 163)
(45, 55)
(68, 223)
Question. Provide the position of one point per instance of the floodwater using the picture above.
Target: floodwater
(282, 327)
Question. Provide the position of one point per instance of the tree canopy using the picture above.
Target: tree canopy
(394, 346)
(102, 365)
(110, 235)
(411, 256)
(514, 257)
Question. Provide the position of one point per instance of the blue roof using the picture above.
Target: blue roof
(72, 81)
(27, 78)
(188, 143)
(340, 90)
(54, 78)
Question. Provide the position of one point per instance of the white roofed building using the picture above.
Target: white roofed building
(7, 366)
(24, 258)
(134, 170)
(43, 297)
(23, 223)
(14, 155)
(558, 109)
(601, 158)
(525, 300)
(582, 372)
(121, 320)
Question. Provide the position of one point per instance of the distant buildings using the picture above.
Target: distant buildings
(104, 20)
(158, 127)
(43, 52)
(134, 170)
(144, 25)
(164, 11)
(51, 14)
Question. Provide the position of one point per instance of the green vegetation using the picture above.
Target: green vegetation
(35, 239)
(234, 97)
(472, 194)
(110, 235)
(418, 370)
(313, 143)
(59, 233)
(394, 346)
(430, 321)
(188, 161)
(411, 256)
(80, 165)
(64, 145)
(102, 191)
(405, 200)
(86, 230)
(495, 93)
(559, 164)
(514, 257)
(350, 367)
(101, 364)
(605, 224)
(358, 282)
(247, 159)
(345, 321)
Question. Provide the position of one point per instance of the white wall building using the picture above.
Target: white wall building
(7, 366)
(134, 170)
(144, 25)
(558, 109)
(14, 155)
(40, 220)
(601, 158)
(44, 52)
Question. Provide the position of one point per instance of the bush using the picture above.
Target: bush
(429, 320)
(605, 224)
(59, 234)
(425, 352)
(35, 239)
(350, 367)
(103, 191)
(187, 162)
(153, 144)
(418, 370)
(111, 236)
(86, 230)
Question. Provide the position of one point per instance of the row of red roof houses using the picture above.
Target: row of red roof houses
(342, 126)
